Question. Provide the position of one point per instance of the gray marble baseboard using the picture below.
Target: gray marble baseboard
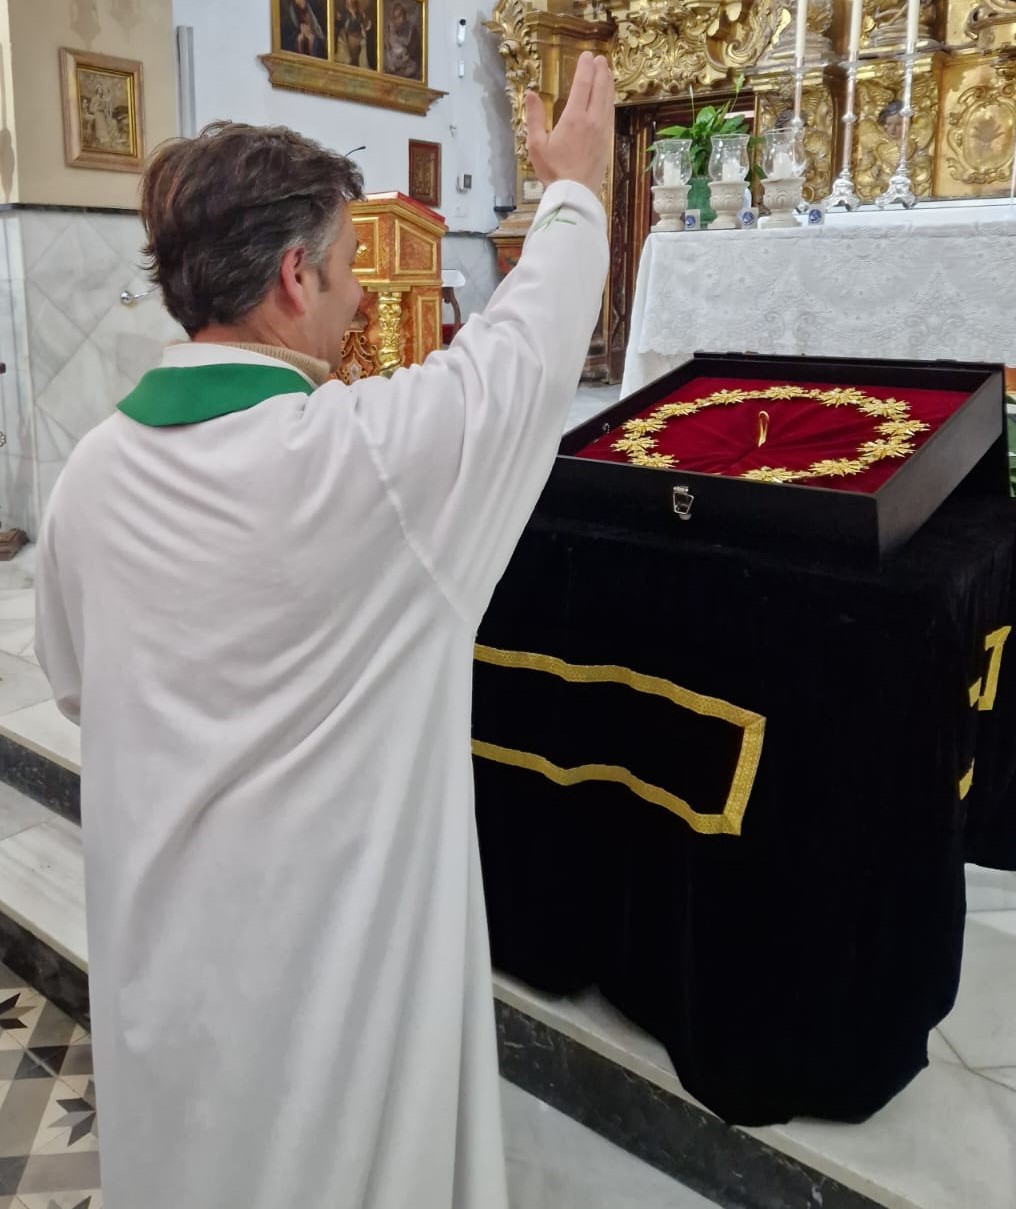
(44, 969)
(42, 779)
(669, 1133)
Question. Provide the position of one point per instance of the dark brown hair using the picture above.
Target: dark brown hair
(220, 210)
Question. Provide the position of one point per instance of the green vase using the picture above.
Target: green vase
(698, 199)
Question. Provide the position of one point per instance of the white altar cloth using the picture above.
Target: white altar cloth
(937, 282)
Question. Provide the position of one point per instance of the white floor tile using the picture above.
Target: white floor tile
(18, 572)
(990, 889)
(15, 636)
(556, 1163)
(42, 886)
(948, 1141)
(18, 813)
(21, 683)
(982, 1026)
(1001, 921)
(17, 604)
(43, 729)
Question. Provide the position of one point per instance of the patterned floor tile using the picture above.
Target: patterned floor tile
(48, 1135)
(59, 1200)
(49, 1173)
(68, 1126)
(20, 1009)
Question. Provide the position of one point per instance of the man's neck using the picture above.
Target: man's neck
(259, 339)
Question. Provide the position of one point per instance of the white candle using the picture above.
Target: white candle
(913, 16)
(783, 167)
(732, 171)
(854, 44)
(801, 31)
(671, 173)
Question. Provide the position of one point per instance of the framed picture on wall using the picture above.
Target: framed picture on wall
(303, 27)
(103, 111)
(425, 172)
(372, 51)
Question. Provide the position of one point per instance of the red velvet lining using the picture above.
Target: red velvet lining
(723, 438)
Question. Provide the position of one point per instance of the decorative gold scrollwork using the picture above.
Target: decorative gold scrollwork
(389, 321)
(979, 134)
(521, 63)
(665, 46)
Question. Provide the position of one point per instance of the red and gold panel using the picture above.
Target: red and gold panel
(817, 434)
(416, 254)
(426, 323)
(368, 250)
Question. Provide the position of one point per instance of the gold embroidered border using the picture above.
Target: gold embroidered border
(752, 725)
(983, 691)
(893, 441)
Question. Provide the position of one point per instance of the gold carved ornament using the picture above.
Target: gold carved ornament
(979, 134)
(664, 46)
(894, 440)
(877, 151)
(389, 320)
(521, 64)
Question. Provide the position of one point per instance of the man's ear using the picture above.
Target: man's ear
(293, 277)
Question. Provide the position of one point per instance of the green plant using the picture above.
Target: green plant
(710, 120)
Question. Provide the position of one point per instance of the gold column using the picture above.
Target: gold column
(389, 321)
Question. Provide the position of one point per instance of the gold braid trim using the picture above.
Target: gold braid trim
(894, 440)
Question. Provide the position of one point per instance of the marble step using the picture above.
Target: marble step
(945, 1143)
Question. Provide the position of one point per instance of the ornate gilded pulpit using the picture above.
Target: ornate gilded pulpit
(398, 263)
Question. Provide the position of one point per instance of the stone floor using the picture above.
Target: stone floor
(49, 1138)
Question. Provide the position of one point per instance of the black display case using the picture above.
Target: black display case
(967, 453)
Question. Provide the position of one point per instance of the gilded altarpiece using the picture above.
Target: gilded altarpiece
(664, 52)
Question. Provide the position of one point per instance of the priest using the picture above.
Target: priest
(257, 592)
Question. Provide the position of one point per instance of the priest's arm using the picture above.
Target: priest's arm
(464, 443)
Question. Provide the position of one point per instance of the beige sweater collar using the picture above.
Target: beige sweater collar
(318, 371)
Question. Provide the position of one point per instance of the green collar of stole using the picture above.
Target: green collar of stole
(192, 394)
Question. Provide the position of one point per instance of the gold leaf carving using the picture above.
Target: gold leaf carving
(877, 149)
(979, 134)
(521, 62)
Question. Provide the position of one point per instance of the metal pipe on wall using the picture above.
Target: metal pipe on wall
(186, 104)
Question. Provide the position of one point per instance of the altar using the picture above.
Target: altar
(928, 284)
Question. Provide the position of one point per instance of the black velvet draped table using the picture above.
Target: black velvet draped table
(736, 793)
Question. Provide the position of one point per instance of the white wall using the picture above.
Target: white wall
(472, 123)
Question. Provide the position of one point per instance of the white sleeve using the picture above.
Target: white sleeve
(54, 642)
(465, 442)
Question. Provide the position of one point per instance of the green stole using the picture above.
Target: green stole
(193, 394)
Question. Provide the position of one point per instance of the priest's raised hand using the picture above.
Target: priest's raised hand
(578, 148)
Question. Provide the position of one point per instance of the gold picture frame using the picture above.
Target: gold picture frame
(371, 51)
(103, 111)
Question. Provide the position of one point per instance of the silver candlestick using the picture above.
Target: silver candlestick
(843, 196)
(798, 121)
(900, 188)
(797, 125)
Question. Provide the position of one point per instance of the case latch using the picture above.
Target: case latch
(683, 502)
